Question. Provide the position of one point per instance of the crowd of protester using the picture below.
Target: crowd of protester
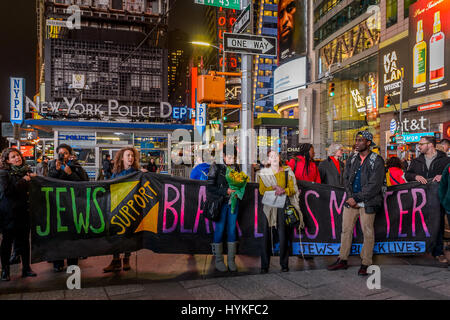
(363, 175)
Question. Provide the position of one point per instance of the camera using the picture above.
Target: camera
(61, 157)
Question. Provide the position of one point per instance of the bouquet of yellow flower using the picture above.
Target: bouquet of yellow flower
(236, 181)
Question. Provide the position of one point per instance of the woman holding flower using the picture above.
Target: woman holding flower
(225, 180)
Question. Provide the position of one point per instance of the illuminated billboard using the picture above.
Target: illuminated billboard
(292, 29)
(429, 28)
(288, 78)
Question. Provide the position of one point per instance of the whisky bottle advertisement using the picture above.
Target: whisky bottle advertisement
(420, 58)
(437, 51)
(429, 26)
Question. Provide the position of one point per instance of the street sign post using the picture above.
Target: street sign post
(226, 4)
(242, 21)
(250, 44)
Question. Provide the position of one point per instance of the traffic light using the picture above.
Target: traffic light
(225, 118)
(331, 89)
(387, 101)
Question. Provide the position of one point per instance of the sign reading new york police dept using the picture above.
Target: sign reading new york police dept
(242, 21)
(17, 93)
(250, 44)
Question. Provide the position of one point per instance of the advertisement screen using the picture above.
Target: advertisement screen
(429, 31)
(290, 75)
(292, 29)
(393, 61)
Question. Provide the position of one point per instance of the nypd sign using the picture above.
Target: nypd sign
(17, 94)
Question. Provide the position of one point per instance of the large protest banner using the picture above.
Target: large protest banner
(164, 214)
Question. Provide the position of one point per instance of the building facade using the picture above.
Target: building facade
(103, 82)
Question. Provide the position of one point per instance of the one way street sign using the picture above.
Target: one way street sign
(250, 44)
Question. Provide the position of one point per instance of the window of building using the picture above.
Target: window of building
(406, 5)
(391, 13)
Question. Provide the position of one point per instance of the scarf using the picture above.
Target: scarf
(268, 178)
(20, 171)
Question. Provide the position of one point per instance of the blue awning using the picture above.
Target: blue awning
(109, 125)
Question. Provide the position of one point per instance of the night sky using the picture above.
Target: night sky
(18, 37)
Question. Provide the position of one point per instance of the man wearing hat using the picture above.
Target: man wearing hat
(363, 181)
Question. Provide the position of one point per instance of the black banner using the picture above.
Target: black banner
(163, 214)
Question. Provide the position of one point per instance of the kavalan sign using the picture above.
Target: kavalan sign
(393, 60)
(70, 106)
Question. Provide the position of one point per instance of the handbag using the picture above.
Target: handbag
(212, 207)
(291, 216)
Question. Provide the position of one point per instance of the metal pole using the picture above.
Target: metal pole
(222, 122)
(400, 116)
(246, 112)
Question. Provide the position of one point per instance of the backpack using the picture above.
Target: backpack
(372, 158)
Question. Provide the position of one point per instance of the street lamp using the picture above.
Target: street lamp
(206, 44)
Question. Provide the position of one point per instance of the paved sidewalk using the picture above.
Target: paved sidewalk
(189, 277)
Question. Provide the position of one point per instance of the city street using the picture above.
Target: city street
(188, 277)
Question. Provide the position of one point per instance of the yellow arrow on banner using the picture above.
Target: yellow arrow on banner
(150, 221)
(119, 191)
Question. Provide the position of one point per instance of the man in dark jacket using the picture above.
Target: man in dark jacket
(107, 167)
(332, 169)
(363, 181)
(428, 167)
(65, 167)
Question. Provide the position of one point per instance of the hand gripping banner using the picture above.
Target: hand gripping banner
(164, 214)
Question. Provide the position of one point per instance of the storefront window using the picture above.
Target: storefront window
(354, 106)
(114, 138)
(152, 147)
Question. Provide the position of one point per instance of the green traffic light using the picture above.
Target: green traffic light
(331, 94)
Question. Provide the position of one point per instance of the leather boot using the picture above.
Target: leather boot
(231, 256)
(217, 250)
(126, 264)
(27, 272)
(5, 273)
(114, 266)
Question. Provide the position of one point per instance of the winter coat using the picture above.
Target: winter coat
(300, 172)
(200, 172)
(395, 176)
(78, 173)
(123, 173)
(444, 189)
(372, 181)
(329, 174)
(13, 201)
(217, 183)
(418, 167)
(107, 168)
(42, 169)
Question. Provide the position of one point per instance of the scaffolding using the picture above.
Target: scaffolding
(107, 74)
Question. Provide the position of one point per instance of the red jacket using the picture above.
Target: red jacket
(313, 172)
(395, 176)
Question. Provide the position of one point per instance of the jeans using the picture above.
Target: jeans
(21, 236)
(227, 219)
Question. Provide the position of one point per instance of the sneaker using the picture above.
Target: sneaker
(363, 271)
(264, 270)
(338, 265)
(286, 269)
